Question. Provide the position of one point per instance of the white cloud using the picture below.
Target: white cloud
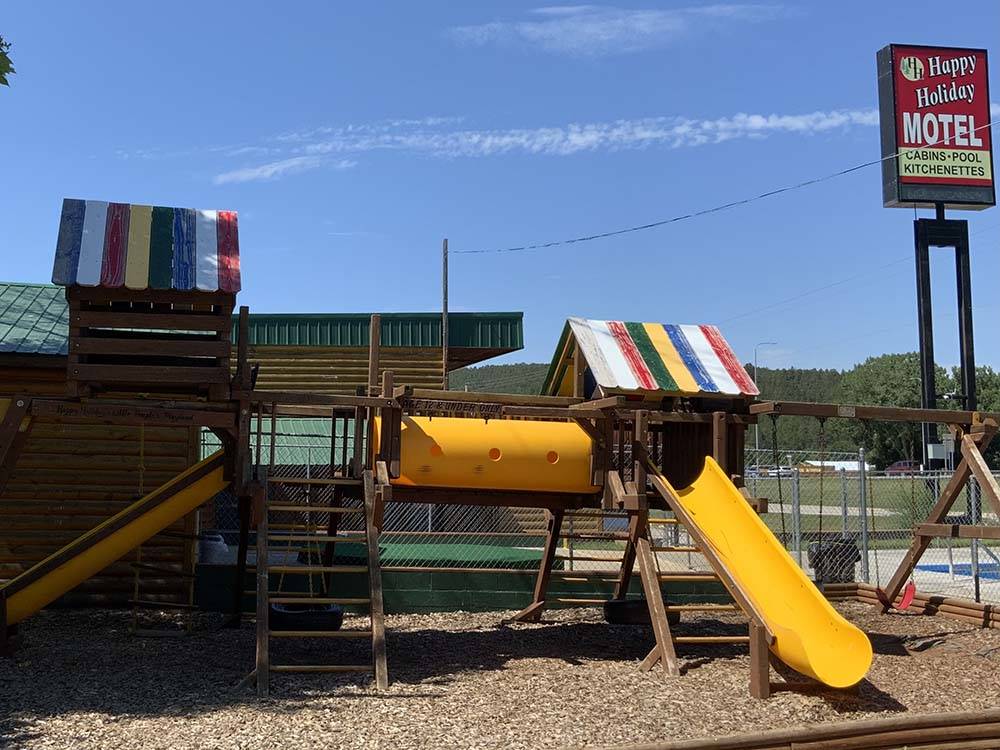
(595, 30)
(277, 169)
(670, 132)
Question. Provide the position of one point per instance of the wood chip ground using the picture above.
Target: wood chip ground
(80, 681)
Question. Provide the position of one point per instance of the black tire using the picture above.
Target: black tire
(306, 617)
(632, 612)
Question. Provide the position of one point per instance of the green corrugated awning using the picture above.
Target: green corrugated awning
(496, 330)
(34, 320)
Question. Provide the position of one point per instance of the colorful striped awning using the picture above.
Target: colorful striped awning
(650, 358)
(138, 247)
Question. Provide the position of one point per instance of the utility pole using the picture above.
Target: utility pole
(756, 430)
(444, 313)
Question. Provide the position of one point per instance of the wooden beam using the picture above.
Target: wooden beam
(504, 399)
(987, 482)
(317, 399)
(375, 586)
(132, 415)
(648, 574)
(936, 515)
(874, 413)
(263, 603)
(610, 402)
(957, 531)
(533, 612)
(551, 412)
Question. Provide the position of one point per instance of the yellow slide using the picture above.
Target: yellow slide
(95, 550)
(810, 635)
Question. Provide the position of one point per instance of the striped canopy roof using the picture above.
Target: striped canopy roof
(139, 247)
(648, 358)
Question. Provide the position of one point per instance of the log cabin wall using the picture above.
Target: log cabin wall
(341, 370)
(70, 477)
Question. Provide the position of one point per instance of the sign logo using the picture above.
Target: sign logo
(911, 68)
(935, 118)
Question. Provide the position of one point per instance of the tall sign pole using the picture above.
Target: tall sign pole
(444, 312)
(937, 152)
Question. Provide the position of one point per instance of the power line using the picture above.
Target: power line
(693, 214)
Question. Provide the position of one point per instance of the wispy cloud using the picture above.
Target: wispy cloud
(564, 140)
(595, 30)
(337, 147)
(275, 169)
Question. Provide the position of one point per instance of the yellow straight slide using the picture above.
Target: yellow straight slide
(96, 549)
(810, 635)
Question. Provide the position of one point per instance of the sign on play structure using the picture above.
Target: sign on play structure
(934, 111)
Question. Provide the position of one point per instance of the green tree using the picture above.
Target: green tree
(888, 380)
(6, 66)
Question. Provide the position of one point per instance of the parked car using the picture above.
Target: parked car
(769, 471)
(902, 467)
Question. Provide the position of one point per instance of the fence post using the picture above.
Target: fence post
(843, 503)
(975, 512)
(863, 509)
(796, 516)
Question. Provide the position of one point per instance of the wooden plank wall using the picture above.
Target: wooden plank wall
(71, 477)
(340, 370)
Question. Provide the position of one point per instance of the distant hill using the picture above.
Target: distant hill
(526, 377)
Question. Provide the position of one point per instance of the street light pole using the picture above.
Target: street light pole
(757, 425)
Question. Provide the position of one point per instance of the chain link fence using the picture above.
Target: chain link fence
(840, 519)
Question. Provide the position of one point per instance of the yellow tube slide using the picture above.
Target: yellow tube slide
(95, 550)
(498, 454)
(810, 635)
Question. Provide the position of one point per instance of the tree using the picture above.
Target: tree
(888, 380)
(6, 67)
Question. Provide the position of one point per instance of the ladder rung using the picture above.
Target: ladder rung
(316, 569)
(324, 538)
(152, 604)
(318, 599)
(312, 480)
(590, 558)
(321, 668)
(159, 569)
(677, 548)
(609, 537)
(314, 509)
(712, 639)
(701, 608)
(320, 633)
(692, 576)
(663, 520)
(571, 600)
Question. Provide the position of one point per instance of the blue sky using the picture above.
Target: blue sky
(352, 138)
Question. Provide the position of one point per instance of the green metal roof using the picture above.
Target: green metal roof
(495, 330)
(299, 440)
(34, 320)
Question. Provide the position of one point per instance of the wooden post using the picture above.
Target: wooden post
(12, 438)
(375, 585)
(533, 612)
(444, 315)
(244, 505)
(648, 574)
(263, 603)
(5, 646)
(760, 661)
(720, 441)
(579, 367)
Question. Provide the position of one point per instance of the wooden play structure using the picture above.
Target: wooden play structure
(638, 418)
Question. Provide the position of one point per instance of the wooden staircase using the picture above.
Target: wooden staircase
(292, 526)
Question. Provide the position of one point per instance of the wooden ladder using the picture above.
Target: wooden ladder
(280, 536)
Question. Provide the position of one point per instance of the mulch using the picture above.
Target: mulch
(79, 680)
